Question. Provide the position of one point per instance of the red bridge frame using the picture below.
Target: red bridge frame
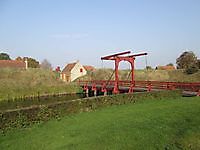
(148, 85)
(118, 58)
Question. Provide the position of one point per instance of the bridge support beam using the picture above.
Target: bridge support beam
(95, 93)
(149, 87)
(131, 60)
(105, 93)
(86, 89)
(94, 88)
(103, 89)
(198, 94)
(87, 93)
(118, 58)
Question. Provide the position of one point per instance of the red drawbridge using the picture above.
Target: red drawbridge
(118, 86)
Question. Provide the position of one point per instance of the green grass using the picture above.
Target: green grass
(17, 83)
(157, 75)
(151, 124)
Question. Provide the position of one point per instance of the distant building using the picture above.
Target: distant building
(89, 68)
(58, 69)
(72, 71)
(13, 64)
(165, 68)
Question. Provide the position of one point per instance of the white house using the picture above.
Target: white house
(72, 71)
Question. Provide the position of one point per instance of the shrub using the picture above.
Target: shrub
(192, 69)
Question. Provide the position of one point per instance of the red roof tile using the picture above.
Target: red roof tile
(165, 68)
(89, 68)
(12, 64)
(69, 67)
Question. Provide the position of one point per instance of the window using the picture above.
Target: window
(81, 70)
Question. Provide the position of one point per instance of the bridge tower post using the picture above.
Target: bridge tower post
(116, 86)
(86, 89)
(118, 58)
(94, 89)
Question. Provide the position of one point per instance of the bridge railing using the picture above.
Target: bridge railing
(188, 86)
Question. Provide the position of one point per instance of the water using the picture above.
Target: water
(40, 100)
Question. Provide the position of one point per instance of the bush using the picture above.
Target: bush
(192, 69)
(149, 68)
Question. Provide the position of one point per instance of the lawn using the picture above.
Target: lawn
(152, 124)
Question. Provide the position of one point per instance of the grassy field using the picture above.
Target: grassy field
(16, 83)
(20, 83)
(152, 124)
(157, 75)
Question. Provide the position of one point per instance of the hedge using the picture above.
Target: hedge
(26, 116)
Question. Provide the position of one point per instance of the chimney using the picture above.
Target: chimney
(26, 62)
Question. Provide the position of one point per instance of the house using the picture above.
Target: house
(89, 68)
(72, 71)
(165, 68)
(13, 64)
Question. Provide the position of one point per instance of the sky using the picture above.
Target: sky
(63, 31)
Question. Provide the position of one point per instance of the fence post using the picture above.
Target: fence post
(198, 94)
(149, 87)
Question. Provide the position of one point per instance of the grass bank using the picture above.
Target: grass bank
(157, 75)
(17, 83)
(23, 113)
(155, 124)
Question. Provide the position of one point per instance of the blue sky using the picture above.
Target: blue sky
(63, 31)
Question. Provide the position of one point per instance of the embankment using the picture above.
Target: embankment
(26, 116)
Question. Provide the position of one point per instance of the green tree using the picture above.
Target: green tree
(4, 56)
(192, 69)
(149, 68)
(186, 60)
(32, 63)
(170, 64)
(19, 58)
(198, 63)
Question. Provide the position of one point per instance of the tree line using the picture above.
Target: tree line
(189, 62)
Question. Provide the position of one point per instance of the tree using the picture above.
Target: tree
(198, 63)
(32, 63)
(19, 58)
(46, 64)
(170, 64)
(192, 69)
(149, 68)
(186, 60)
(4, 56)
